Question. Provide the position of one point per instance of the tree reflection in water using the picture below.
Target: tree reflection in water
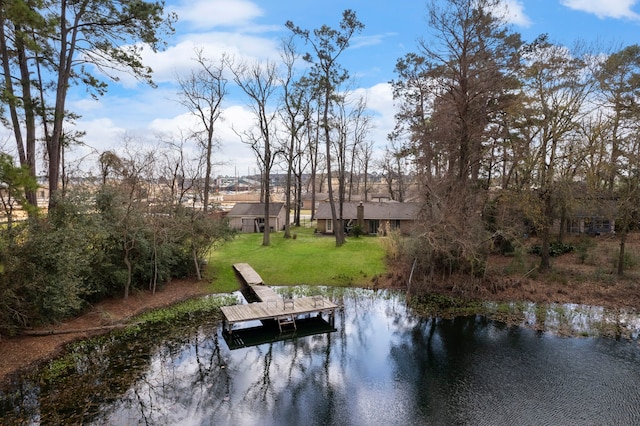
(383, 365)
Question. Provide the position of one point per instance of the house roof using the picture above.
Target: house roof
(254, 209)
(596, 208)
(375, 211)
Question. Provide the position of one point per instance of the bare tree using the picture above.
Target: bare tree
(557, 87)
(178, 171)
(360, 127)
(365, 159)
(327, 75)
(202, 93)
(294, 116)
(394, 166)
(259, 81)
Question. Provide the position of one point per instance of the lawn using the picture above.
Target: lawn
(308, 259)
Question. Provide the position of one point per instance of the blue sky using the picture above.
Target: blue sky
(252, 30)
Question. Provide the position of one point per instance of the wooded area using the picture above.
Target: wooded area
(509, 138)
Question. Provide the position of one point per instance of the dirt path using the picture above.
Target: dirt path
(17, 354)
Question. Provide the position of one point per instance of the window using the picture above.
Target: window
(329, 225)
(374, 224)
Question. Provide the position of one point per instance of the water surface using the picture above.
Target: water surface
(382, 365)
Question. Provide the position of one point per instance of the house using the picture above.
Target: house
(587, 212)
(320, 198)
(249, 217)
(374, 218)
(594, 217)
(230, 200)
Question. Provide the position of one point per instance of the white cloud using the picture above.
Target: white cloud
(178, 59)
(616, 9)
(515, 13)
(369, 40)
(511, 12)
(380, 103)
(205, 14)
(233, 154)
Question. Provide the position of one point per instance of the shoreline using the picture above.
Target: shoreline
(22, 352)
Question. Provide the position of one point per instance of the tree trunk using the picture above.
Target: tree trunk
(623, 240)
(207, 176)
(313, 157)
(287, 187)
(28, 158)
(563, 224)
(545, 261)
(287, 214)
(196, 264)
(338, 232)
(127, 262)
(266, 238)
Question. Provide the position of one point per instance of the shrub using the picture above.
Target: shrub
(503, 244)
(518, 264)
(357, 231)
(556, 249)
(584, 246)
(630, 259)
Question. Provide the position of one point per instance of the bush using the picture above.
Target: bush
(518, 263)
(503, 244)
(555, 249)
(51, 268)
(357, 231)
(584, 246)
(630, 259)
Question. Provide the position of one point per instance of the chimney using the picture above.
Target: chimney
(360, 214)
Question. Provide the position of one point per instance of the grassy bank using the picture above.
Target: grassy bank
(306, 259)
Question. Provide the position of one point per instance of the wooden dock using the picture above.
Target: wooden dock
(272, 306)
(248, 274)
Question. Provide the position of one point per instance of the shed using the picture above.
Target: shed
(249, 217)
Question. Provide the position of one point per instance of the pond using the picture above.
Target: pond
(381, 364)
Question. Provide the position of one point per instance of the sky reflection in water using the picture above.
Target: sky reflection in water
(382, 365)
(385, 366)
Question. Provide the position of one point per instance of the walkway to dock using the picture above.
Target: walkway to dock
(248, 274)
(271, 306)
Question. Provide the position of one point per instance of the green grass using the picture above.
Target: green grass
(308, 259)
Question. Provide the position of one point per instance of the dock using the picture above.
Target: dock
(270, 333)
(271, 306)
(248, 274)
